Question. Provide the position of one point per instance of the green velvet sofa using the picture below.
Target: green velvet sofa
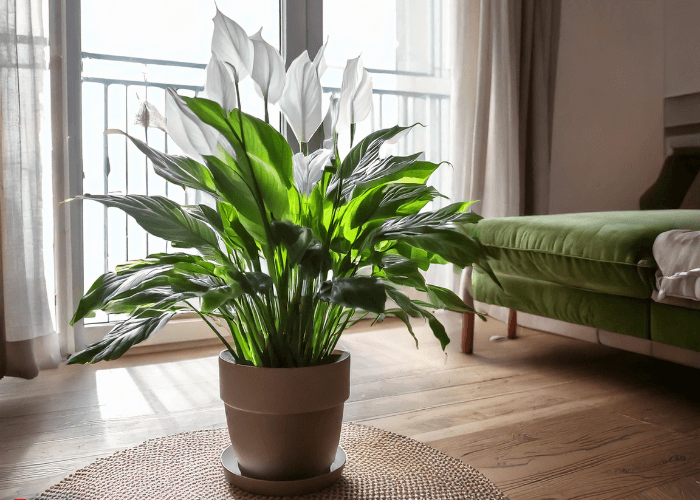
(591, 269)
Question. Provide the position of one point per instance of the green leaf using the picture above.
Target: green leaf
(163, 218)
(111, 285)
(401, 271)
(255, 283)
(358, 292)
(367, 148)
(207, 214)
(155, 298)
(236, 233)
(453, 246)
(382, 171)
(303, 248)
(437, 328)
(216, 297)
(385, 202)
(180, 170)
(265, 145)
(401, 314)
(444, 298)
(435, 233)
(213, 115)
(262, 155)
(126, 334)
(236, 191)
(403, 302)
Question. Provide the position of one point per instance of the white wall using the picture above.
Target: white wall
(607, 140)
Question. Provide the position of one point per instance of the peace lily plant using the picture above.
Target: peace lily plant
(295, 247)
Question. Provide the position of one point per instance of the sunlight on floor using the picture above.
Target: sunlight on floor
(119, 396)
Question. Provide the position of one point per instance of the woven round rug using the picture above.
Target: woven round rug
(380, 465)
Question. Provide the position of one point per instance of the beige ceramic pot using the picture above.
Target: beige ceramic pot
(284, 423)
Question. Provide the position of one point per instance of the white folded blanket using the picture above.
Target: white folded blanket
(677, 253)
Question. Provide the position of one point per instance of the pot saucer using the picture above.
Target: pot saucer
(280, 488)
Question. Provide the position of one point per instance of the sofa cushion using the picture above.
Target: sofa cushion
(608, 252)
(625, 315)
(677, 326)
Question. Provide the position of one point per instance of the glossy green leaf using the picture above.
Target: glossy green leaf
(162, 218)
(302, 247)
(445, 298)
(215, 297)
(262, 155)
(180, 170)
(126, 334)
(359, 292)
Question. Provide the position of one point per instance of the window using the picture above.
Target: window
(132, 50)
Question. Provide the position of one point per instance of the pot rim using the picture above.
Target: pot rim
(226, 356)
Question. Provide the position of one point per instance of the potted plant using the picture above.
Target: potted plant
(292, 250)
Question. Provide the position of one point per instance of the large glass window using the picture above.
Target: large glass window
(402, 46)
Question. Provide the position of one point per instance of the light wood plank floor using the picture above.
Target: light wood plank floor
(543, 416)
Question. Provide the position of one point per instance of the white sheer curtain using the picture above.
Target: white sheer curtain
(485, 148)
(503, 83)
(29, 342)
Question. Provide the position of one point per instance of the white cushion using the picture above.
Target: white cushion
(677, 253)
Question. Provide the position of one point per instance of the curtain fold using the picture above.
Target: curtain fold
(28, 341)
(502, 100)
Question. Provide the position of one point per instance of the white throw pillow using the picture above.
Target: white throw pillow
(677, 253)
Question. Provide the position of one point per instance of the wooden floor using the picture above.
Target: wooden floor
(543, 416)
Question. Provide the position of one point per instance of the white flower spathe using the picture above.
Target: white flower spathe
(231, 43)
(268, 69)
(301, 98)
(219, 86)
(330, 122)
(191, 135)
(355, 95)
(308, 170)
(320, 60)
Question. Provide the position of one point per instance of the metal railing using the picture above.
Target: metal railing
(391, 107)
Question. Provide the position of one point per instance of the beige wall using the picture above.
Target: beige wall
(607, 140)
(682, 46)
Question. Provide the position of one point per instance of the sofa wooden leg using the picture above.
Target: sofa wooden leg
(512, 323)
(468, 333)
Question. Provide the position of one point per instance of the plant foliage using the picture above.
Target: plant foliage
(294, 248)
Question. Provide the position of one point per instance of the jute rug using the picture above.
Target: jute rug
(381, 465)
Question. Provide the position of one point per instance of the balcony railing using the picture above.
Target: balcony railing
(113, 165)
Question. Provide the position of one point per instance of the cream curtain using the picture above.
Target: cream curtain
(502, 102)
(28, 341)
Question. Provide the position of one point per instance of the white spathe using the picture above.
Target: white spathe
(268, 69)
(231, 43)
(191, 135)
(219, 86)
(320, 60)
(301, 98)
(309, 169)
(330, 121)
(355, 95)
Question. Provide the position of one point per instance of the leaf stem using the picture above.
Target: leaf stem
(228, 346)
